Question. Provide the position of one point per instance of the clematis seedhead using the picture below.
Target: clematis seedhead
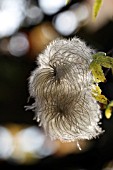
(61, 86)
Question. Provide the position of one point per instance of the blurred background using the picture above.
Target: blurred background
(26, 27)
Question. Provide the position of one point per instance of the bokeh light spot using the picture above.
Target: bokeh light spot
(51, 7)
(6, 143)
(65, 22)
(18, 45)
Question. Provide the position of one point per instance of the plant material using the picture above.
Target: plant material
(101, 60)
(62, 88)
(96, 92)
(96, 8)
(109, 109)
(96, 67)
(67, 2)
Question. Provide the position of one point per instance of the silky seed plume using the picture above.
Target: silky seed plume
(61, 86)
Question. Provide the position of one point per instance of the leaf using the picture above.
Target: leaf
(101, 99)
(96, 7)
(111, 104)
(100, 60)
(106, 61)
(67, 2)
(96, 93)
(96, 90)
(108, 111)
(98, 54)
(97, 72)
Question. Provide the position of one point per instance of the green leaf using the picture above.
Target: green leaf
(96, 7)
(106, 62)
(98, 54)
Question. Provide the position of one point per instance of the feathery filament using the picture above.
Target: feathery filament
(61, 87)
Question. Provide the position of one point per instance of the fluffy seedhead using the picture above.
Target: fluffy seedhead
(61, 86)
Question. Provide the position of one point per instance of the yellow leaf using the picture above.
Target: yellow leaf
(96, 7)
(67, 2)
(100, 98)
(96, 90)
(100, 60)
(96, 93)
(111, 104)
(108, 111)
(97, 72)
